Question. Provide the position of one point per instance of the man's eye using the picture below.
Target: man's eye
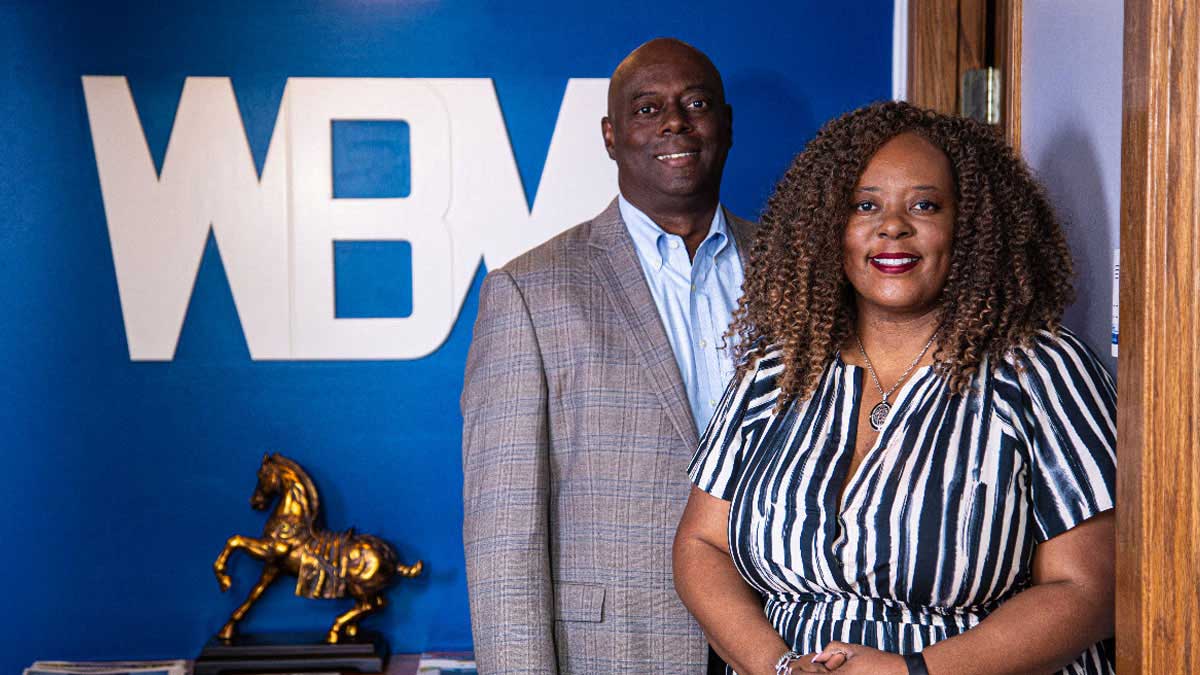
(698, 104)
(646, 110)
(925, 205)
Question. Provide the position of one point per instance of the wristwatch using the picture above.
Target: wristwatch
(916, 664)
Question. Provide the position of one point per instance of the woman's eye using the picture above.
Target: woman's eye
(864, 207)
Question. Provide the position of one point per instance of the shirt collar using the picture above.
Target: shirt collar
(650, 240)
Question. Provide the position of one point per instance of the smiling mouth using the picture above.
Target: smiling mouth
(894, 264)
(676, 156)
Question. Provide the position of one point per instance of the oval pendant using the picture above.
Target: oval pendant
(879, 415)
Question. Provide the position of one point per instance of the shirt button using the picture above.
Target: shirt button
(712, 403)
(703, 344)
(693, 287)
(673, 243)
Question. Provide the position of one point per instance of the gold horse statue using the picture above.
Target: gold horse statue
(325, 564)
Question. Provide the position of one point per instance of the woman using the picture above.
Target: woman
(914, 463)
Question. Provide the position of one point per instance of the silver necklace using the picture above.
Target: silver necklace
(880, 412)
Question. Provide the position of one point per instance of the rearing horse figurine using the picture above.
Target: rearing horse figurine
(325, 564)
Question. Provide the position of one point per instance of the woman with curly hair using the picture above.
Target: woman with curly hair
(913, 465)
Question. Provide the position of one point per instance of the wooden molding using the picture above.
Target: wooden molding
(972, 38)
(948, 38)
(1009, 23)
(933, 55)
(1158, 440)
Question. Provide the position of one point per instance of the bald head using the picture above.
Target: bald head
(656, 52)
(669, 129)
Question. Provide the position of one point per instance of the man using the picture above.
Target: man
(596, 357)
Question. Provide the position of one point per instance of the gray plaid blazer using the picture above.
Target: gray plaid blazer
(576, 439)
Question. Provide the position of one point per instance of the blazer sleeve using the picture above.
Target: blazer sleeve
(505, 483)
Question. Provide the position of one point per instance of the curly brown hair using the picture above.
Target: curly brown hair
(1010, 269)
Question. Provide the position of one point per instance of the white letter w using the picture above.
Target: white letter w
(158, 225)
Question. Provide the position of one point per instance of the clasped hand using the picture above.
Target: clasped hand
(849, 659)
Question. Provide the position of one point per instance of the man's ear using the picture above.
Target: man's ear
(606, 130)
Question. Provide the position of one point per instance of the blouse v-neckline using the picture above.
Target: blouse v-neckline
(853, 396)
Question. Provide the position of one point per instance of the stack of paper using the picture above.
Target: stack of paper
(446, 664)
(109, 668)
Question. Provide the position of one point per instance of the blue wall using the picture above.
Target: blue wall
(119, 481)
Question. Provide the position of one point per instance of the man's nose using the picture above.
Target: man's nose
(674, 120)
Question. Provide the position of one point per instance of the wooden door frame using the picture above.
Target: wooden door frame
(1158, 408)
(946, 38)
(1158, 439)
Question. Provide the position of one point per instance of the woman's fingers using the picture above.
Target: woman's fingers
(805, 664)
(834, 655)
(834, 661)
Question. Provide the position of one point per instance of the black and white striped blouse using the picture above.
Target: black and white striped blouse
(939, 522)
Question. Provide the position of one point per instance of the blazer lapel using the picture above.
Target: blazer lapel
(743, 235)
(615, 261)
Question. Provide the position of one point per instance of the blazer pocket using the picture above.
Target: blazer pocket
(578, 602)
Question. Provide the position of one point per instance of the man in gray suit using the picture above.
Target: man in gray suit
(596, 358)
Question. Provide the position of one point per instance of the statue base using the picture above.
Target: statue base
(293, 653)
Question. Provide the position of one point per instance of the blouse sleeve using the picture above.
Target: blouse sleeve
(717, 464)
(1068, 418)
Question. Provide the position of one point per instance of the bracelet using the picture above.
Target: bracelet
(916, 664)
(784, 665)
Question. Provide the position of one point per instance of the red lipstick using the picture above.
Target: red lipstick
(895, 263)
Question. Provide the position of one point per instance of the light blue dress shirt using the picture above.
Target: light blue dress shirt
(695, 298)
